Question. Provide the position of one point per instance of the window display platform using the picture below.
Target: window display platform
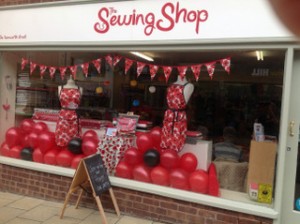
(141, 199)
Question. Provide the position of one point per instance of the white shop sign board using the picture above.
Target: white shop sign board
(146, 20)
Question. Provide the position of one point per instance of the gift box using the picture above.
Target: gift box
(112, 149)
(201, 149)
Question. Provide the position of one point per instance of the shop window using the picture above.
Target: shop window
(237, 96)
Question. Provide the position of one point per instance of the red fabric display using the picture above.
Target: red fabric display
(112, 149)
(67, 125)
(175, 119)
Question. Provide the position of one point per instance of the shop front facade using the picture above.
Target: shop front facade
(243, 70)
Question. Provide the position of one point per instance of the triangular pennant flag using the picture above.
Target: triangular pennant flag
(32, 67)
(153, 71)
(85, 68)
(109, 60)
(62, 72)
(73, 70)
(24, 62)
(167, 71)
(139, 67)
(226, 64)
(210, 68)
(43, 68)
(52, 70)
(117, 58)
(97, 64)
(128, 64)
(196, 70)
(182, 71)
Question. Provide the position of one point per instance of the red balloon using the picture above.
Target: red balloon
(64, 158)
(142, 173)
(90, 133)
(4, 149)
(15, 152)
(26, 125)
(156, 136)
(179, 178)
(46, 141)
(25, 140)
(76, 160)
(199, 181)
(13, 136)
(160, 175)
(133, 156)
(169, 159)
(39, 127)
(188, 162)
(144, 142)
(37, 155)
(50, 156)
(89, 146)
(33, 139)
(124, 170)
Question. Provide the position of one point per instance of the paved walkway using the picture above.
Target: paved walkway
(18, 209)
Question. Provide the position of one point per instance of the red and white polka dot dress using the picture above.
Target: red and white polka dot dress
(67, 125)
(175, 119)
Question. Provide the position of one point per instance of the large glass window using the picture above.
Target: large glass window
(236, 95)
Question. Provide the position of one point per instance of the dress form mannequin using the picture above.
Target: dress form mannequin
(188, 89)
(70, 85)
(175, 118)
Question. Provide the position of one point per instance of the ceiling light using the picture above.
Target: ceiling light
(260, 55)
(142, 56)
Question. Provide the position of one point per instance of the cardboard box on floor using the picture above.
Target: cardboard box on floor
(261, 171)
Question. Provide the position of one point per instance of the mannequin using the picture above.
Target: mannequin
(70, 84)
(67, 126)
(188, 89)
(175, 119)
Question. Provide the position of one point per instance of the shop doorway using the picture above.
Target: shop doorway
(291, 188)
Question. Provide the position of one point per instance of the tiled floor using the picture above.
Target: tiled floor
(18, 209)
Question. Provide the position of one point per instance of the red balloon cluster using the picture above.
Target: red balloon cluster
(33, 141)
(172, 170)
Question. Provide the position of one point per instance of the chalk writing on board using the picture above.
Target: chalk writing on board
(97, 172)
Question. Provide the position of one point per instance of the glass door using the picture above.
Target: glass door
(291, 188)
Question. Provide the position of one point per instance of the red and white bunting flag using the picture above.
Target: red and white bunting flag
(128, 64)
(97, 64)
(226, 62)
(211, 68)
(182, 71)
(117, 58)
(139, 67)
(73, 70)
(153, 70)
(85, 68)
(43, 68)
(196, 70)
(109, 60)
(52, 71)
(32, 67)
(24, 62)
(62, 71)
(167, 71)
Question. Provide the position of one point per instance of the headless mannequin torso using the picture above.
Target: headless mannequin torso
(70, 85)
(188, 89)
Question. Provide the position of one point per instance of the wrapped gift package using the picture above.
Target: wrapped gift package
(112, 149)
(261, 171)
(201, 149)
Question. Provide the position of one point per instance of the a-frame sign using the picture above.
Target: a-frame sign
(91, 172)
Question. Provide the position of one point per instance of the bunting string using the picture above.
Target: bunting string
(128, 63)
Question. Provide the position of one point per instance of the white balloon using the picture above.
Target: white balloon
(152, 89)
